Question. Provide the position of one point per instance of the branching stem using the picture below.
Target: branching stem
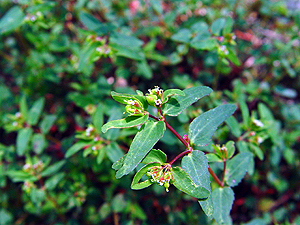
(212, 173)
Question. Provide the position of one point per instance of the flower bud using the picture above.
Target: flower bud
(151, 99)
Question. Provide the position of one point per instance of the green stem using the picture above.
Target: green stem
(224, 169)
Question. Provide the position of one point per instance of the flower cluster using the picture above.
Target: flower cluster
(160, 175)
(154, 97)
(133, 107)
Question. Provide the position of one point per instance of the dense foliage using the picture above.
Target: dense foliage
(63, 61)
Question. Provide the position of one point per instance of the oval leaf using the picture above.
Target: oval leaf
(196, 165)
(222, 201)
(75, 148)
(142, 143)
(23, 139)
(237, 168)
(35, 111)
(129, 121)
(203, 127)
(178, 103)
(184, 183)
(11, 20)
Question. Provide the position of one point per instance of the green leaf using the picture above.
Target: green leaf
(113, 151)
(86, 56)
(129, 42)
(23, 139)
(212, 157)
(203, 127)
(144, 69)
(237, 168)
(53, 181)
(129, 53)
(100, 156)
(178, 103)
(264, 112)
(184, 183)
(118, 203)
(11, 20)
(228, 26)
(124, 98)
(89, 21)
(19, 175)
(155, 155)
(118, 164)
(230, 149)
(129, 121)
(233, 57)
(222, 200)
(47, 123)
(183, 36)
(35, 111)
(23, 107)
(245, 113)
(207, 206)
(38, 143)
(234, 126)
(135, 185)
(50, 170)
(257, 150)
(75, 148)
(98, 118)
(6, 217)
(171, 92)
(206, 44)
(217, 26)
(196, 166)
(142, 143)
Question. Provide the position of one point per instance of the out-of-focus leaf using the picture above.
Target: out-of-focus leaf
(11, 20)
(35, 111)
(47, 123)
(50, 170)
(23, 138)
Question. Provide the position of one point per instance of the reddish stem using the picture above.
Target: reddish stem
(180, 155)
(212, 173)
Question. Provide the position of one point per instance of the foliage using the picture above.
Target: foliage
(62, 62)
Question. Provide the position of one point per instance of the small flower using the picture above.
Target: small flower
(33, 18)
(157, 102)
(26, 166)
(258, 123)
(223, 48)
(259, 140)
(94, 148)
(15, 123)
(131, 102)
(18, 114)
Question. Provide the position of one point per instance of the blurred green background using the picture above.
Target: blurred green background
(59, 62)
